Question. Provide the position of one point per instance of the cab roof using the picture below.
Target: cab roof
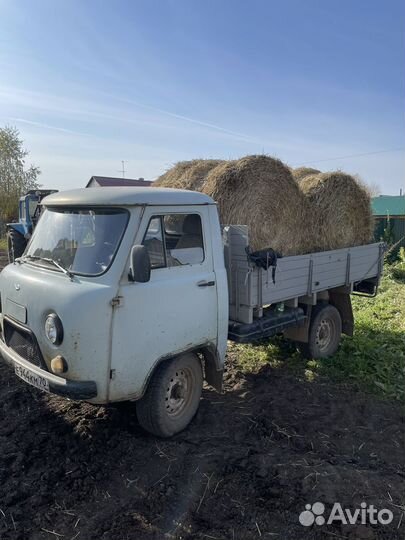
(126, 196)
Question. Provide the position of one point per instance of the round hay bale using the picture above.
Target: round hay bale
(340, 210)
(187, 174)
(173, 177)
(302, 172)
(260, 192)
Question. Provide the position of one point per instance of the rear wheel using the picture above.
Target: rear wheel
(16, 244)
(324, 333)
(172, 397)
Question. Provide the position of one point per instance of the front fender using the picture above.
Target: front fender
(18, 227)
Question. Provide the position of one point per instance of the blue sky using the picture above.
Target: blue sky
(90, 83)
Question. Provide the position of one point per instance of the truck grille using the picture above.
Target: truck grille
(23, 342)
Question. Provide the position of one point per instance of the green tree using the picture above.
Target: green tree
(15, 177)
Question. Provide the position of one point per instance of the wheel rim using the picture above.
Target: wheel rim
(324, 334)
(178, 392)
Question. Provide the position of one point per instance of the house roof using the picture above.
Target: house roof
(105, 181)
(126, 196)
(392, 205)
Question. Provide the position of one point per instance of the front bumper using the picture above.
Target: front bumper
(83, 390)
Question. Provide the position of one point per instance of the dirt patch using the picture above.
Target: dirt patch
(246, 467)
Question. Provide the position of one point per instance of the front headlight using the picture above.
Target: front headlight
(54, 329)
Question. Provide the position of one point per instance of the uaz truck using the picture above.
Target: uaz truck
(132, 294)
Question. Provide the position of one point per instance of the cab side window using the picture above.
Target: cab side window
(153, 241)
(175, 240)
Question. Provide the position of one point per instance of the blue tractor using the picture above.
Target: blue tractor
(29, 210)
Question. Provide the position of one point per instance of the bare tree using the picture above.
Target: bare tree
(15, 177)
(372, 188)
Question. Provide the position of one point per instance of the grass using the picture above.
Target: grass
(398, 271)
(398, 267)
(374, 358)
(3, 243)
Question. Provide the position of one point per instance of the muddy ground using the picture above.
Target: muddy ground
(245, 469)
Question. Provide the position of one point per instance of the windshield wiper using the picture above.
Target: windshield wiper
(48, 260)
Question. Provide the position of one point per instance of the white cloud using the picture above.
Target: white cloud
(46, 126)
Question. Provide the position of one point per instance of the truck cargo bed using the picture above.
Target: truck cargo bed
(297, 278)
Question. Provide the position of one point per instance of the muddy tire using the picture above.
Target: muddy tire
(16, 244)
(172, 397)
(324, 333)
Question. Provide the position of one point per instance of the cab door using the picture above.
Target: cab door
(173, 312)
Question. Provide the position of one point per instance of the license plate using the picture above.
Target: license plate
(32, 378)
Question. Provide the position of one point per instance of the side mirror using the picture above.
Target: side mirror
(140, 266)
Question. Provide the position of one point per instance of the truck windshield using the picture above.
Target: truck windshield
(83, 241)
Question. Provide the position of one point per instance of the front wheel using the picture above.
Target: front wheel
(172, 397)
(16, 244)
(324, 333)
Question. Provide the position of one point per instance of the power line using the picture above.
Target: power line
(352, 156)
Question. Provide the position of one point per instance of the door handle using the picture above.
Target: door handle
(206, 283)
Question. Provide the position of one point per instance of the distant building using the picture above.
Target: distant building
(106, 181)
(389, 215)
